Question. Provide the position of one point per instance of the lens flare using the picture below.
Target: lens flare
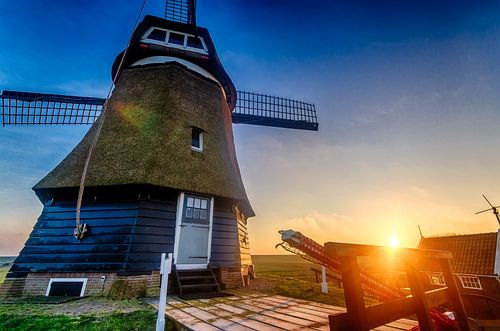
(394, 241)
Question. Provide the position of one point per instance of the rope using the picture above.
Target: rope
(81, 229)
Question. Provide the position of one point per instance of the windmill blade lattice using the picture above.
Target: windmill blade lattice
(266, 110)
(183, 11)
(26, 108)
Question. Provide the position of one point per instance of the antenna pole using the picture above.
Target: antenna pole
(493, 208)
(420, 231)
(495, 211)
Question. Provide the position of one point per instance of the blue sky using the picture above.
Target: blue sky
(407, 95)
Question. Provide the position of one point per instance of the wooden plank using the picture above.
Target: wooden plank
(345, 249)
(87, 215)
(303, 309)
(275, 322)
(454, 295)
(255, 324)
(156, 214)
(70, 223)
(402, 325)
(248, 323)
(213, 320)
(312, 308)
(271, 323)
(232, 309)
(386, 328)
(353, 292)
(421, 308)
(189, 321)
(276, 315)
(166, 223)
(436, 297)
(71, 207)
(76, 248)
(284, 309)
(387, 312)
(404, 322)
(312, 305)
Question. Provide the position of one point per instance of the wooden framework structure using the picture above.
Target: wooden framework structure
(359, 317)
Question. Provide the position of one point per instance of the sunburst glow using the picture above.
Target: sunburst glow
(394, 241)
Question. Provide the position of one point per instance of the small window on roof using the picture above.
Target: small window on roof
(175, 38)
(470, 282)
(437, 278)
(197, 140)
(157, 34)
(194, 42)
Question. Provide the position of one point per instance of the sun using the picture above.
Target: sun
(394, 241)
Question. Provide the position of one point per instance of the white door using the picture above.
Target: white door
(193, 231)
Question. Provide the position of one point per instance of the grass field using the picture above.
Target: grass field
(291, 266)
(88, 314)
(292, 276)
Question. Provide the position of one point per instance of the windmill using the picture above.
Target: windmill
(494, 209)
(155, 173)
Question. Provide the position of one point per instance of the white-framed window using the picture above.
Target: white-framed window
(470, 282)
(175, 39)
(436, 278)
(197, 139)
(66, 287)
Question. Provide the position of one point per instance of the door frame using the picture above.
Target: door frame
(178, 222)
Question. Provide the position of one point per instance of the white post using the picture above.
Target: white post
(165, 268)
(324, 285)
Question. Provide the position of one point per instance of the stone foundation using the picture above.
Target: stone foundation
(233, 277)
(110, 284)
(98, 284)
(12, 287)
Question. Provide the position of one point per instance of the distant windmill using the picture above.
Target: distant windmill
(158, 166)
(492, 208)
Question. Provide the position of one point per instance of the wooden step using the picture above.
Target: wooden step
(191, 286)
(196, 280)
(182, 277)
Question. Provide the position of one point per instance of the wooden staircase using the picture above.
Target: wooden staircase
(196, 281)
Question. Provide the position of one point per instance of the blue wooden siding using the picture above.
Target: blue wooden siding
(225, 243)
(126, 237)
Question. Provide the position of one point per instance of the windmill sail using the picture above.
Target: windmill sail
(266, 110)
(27, 108)
(183, 11)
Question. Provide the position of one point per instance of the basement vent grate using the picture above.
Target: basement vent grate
(66, 287)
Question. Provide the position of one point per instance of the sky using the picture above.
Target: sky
(406, 93)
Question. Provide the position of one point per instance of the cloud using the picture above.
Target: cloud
(84, 88)
(323, 227)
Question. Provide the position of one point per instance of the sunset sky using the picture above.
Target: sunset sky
(407, 94)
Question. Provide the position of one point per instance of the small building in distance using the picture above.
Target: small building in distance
(476, 264)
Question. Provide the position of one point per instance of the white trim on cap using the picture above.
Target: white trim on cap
(166, 59)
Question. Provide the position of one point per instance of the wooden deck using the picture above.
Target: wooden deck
(245, 311)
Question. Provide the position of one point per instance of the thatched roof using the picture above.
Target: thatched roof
(146, 137)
